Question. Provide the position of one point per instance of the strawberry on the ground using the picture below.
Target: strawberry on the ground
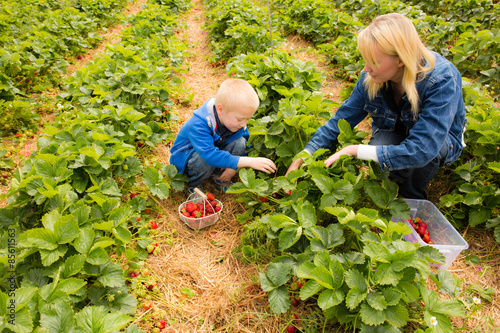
(148, 210)
(263, 199)
(295, 302)
(133, 195)
(290, 329)
(138, 219)
(161, 324)
(147, 305)
(153, 225)
(132, 274)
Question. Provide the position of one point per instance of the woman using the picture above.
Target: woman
(414, 97)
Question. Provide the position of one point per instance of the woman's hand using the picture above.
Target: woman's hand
(294, 166)
(349, 150)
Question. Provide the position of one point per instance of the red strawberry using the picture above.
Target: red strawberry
(423, 225)
(263, 199)
(186, 214)
(133, 195)
(153, 225)
(210, 196)
(197, 213)
(191, 207)
(132, 274)
(140, 144)
(295, 316)
(427, 238)
(295, 302)
(290, 329)
(148, 210)
(217, 208)
(147, 306)
(138, 219)
(213, 203)
(161, 324)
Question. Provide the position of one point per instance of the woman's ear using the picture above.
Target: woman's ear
(400, 62)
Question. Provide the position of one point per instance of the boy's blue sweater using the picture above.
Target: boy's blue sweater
(198, 134)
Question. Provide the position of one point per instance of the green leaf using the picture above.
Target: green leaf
(38, 237)
(57, 317)
(376, 300)
(329, 298)
(279, 300)
(371, 316)
(72, 265)
(51, 256)
(354, 297)
(97, 256)
(70, 286)
(354, 278)
(310, 288)
(111, 275)
(397, 315)
(24, 295)
(83, 242)
(23, 322)
(155, 183)
(278, 273)
(93, 319)
(306, 214)
(323, 276)
(123, 234)
(66, 229)
(289, 236)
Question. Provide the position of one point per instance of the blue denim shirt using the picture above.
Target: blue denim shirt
(441, 120)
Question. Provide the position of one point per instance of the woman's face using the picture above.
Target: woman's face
(390, 68)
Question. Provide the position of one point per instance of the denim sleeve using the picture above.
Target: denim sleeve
(351, 110)
(201, 138)
(440, 103)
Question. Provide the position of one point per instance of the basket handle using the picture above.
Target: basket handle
(200, 193)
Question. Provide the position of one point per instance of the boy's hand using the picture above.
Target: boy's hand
(227, 175)
(294, 166)
(258, 163)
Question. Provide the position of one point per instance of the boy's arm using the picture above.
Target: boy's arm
(257, 163)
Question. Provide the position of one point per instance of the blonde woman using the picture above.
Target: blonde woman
(414, 97)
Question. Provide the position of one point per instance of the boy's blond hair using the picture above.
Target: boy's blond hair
(236, 93)
(394, 34)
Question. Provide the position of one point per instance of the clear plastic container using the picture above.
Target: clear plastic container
(444, 236)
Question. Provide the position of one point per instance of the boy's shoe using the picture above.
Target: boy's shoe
(190, 190)
(223, 186)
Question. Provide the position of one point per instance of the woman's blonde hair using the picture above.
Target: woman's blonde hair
(394, 34)
(236, 93)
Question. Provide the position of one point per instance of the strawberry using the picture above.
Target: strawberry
(148, 210)
(427, 238)
(161, 324)
(217, 208)
(295, 302)
(191, 207)
(423, 225)
(132, 274)
(295, 316)
(213, 203)
(197, 213)
(210, 210)
(290, 329)
(289, 192)
(153, 225)
(147, 306)
(186, 214)
(210, 196)
(133, 195)
(151, 287)
(138, 219)
(263, 199)
(140, 144)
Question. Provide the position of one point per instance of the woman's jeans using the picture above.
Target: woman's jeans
(412, 182)
(198, 171)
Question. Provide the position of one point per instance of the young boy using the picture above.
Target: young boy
(214, 139)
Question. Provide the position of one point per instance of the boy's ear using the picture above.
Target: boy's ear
(219, 108)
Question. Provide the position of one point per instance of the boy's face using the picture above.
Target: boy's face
(234, 119)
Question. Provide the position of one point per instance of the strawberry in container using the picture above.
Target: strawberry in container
(200, 210)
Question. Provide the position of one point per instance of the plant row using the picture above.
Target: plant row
(475, 184)
(75, 230)
(330, 230)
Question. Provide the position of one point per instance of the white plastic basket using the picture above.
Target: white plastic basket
(199, 222)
